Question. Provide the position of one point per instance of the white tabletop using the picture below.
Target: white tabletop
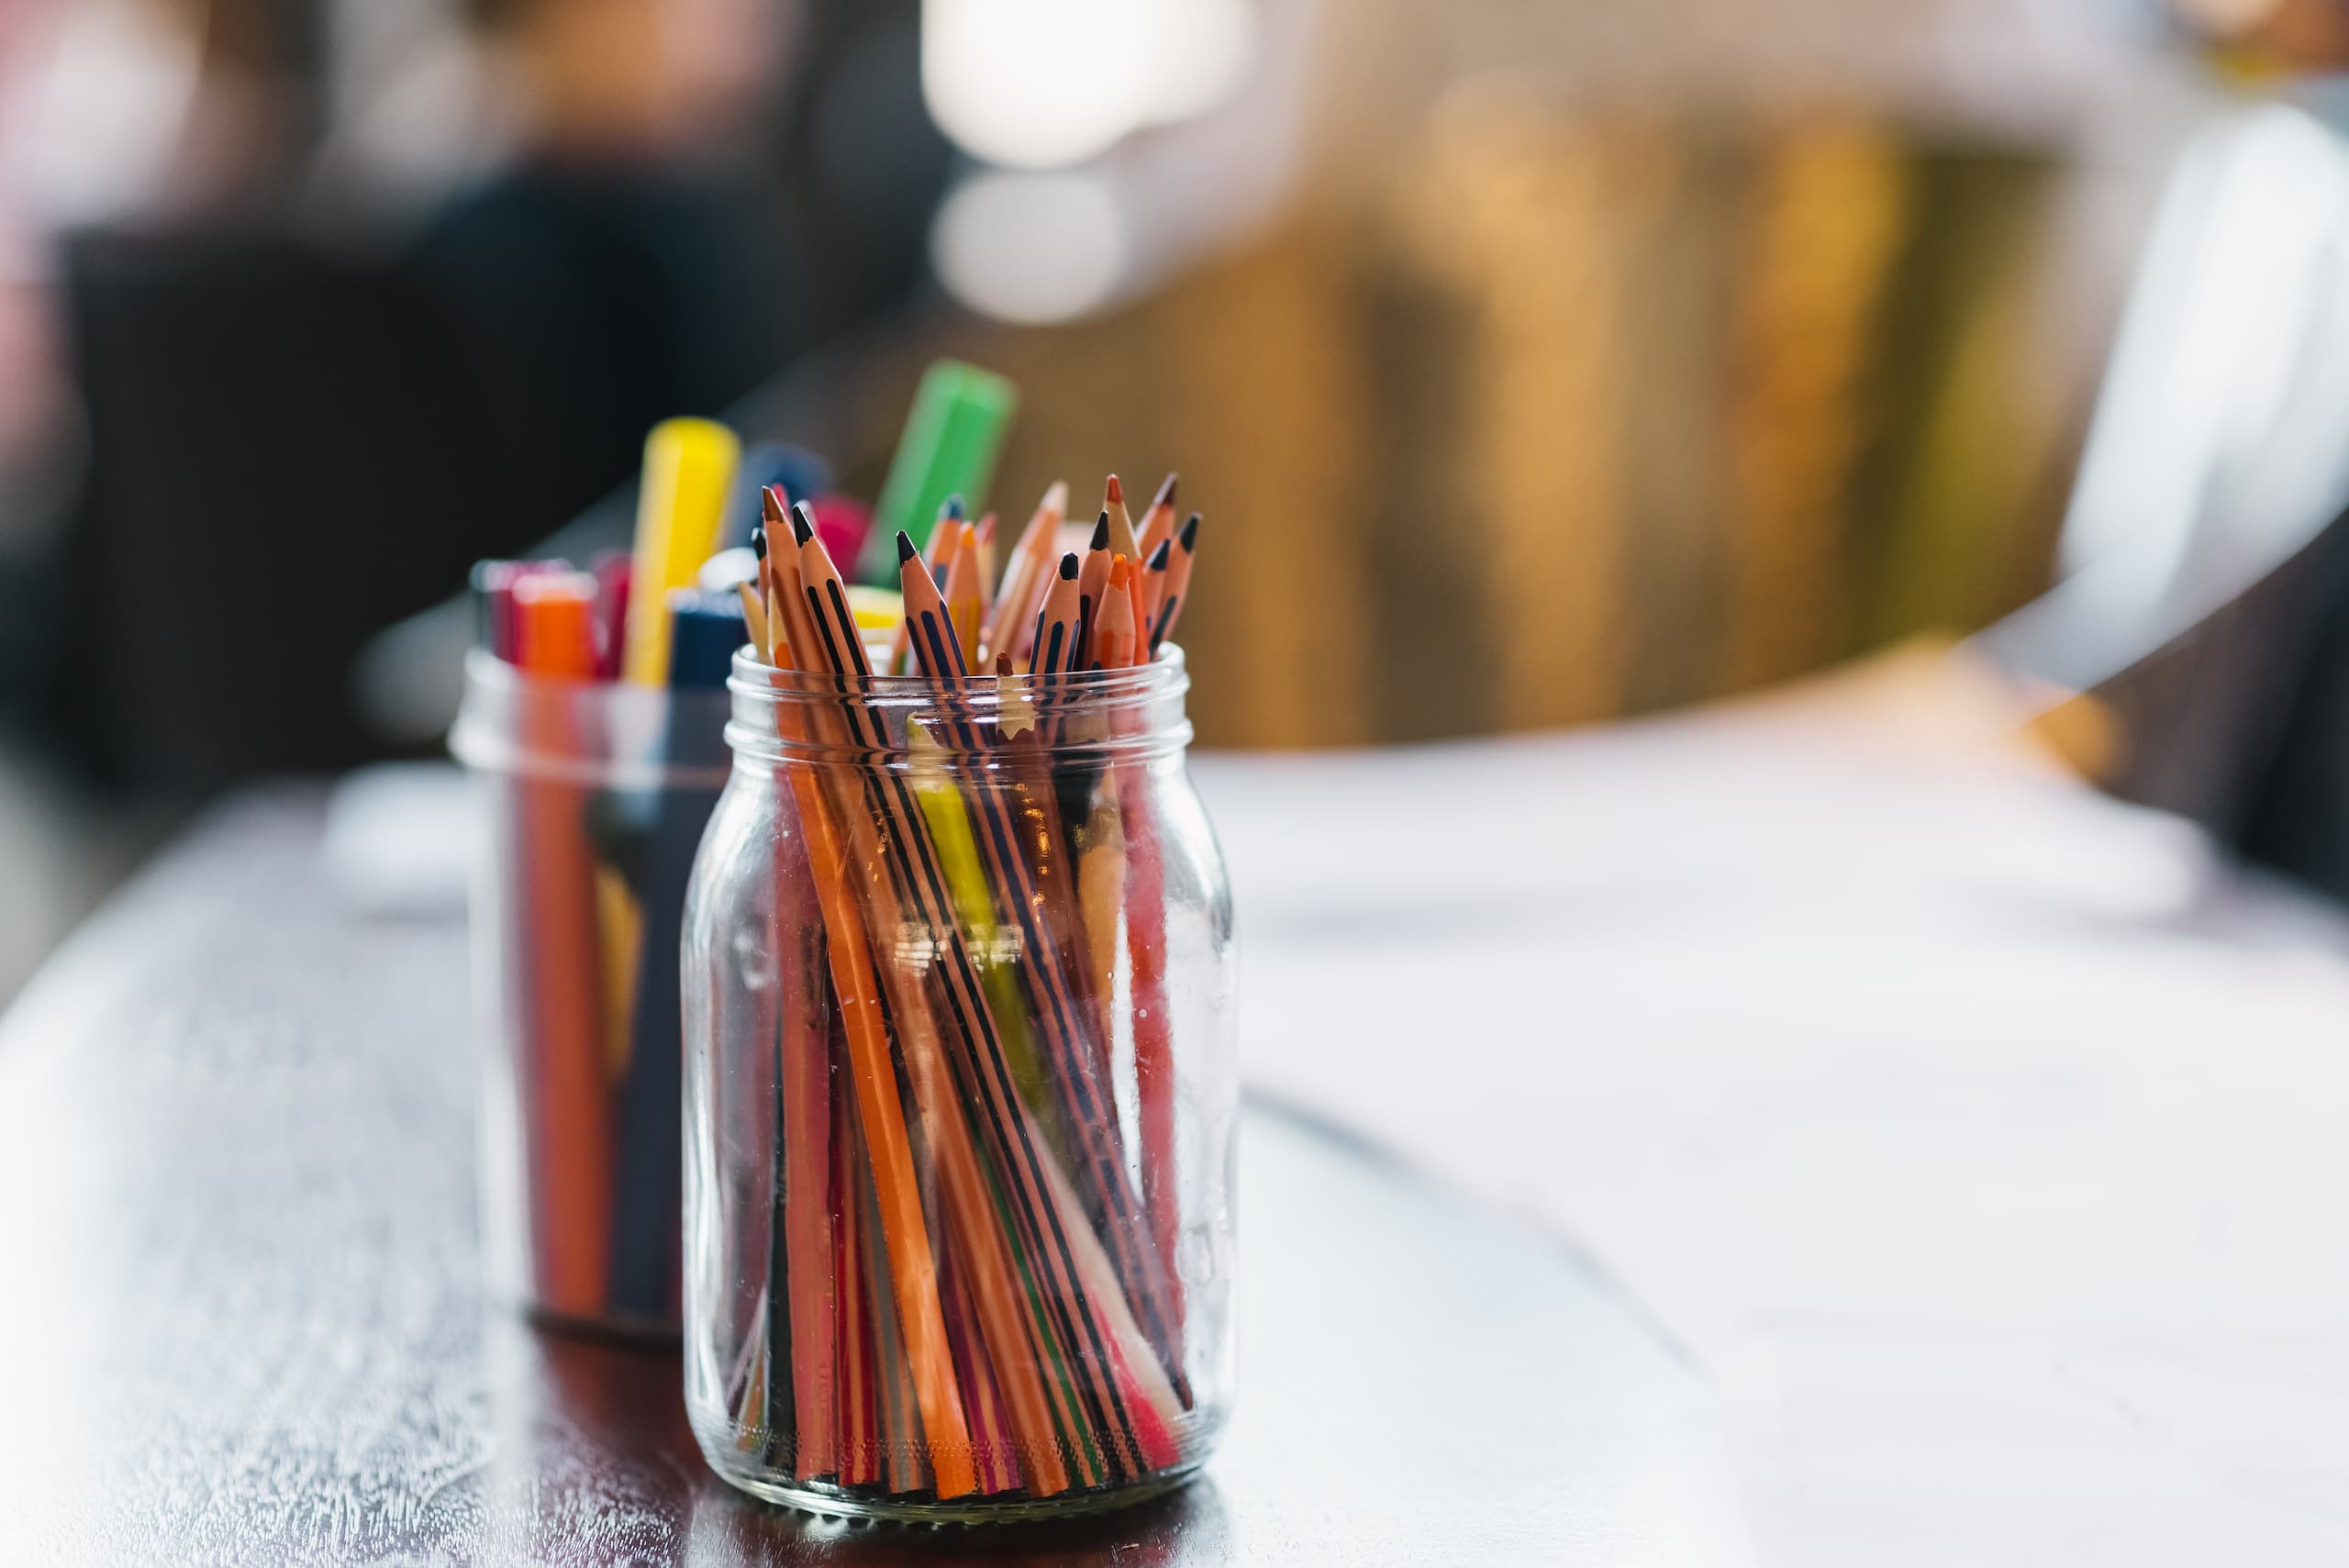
(1983, 1139)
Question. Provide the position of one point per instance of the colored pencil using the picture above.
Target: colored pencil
(1122, 525)
(565, 1067)
(1025, 578)
(1092, 582)
(1178, 583)
(1158, 523)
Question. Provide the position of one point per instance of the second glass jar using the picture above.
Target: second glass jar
(960, 1098)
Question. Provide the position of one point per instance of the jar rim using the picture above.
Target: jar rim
(1164, 674)
(1133, 711)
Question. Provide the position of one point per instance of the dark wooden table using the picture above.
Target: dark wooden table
(244, 1322)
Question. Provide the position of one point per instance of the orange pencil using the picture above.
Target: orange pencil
(811, 1271)
(1091, 579)
(945, 537)
(1178, 583)
(856, 1448)
(1153, 592)
(1122, 527)
(986, 535)
(966, 593)
(1138, 609)
(1158, 523)
(555, 625)
(1052, 645)
(1113, 638)
(1026, 576)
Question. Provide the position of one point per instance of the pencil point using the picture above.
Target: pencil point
(1068, 566)
(905, 551)
(1165, 496)
(803, 523)
(1160, 557)
(1190, 535)
(773, 505)
(759, 542)
(1117, 492)
(1101, 531)
(951, 511)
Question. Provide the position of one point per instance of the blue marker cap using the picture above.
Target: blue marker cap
(803, 475)
(705, 629)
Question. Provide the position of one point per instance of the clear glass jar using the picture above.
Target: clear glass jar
(959, 1094)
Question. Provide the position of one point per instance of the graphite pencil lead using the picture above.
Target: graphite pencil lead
(1068, 566)
(905, 551)
(803, 523)
(1190, 534)
(1158, 558)
(1101, 531)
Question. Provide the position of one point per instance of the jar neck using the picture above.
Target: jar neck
(788, 715)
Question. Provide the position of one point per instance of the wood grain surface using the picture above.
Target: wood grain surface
(242, 1320)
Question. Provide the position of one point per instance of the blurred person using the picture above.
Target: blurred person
(483, 246)
(147, 112)
(629, 260)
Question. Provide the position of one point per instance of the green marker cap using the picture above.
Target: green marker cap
(953, 434)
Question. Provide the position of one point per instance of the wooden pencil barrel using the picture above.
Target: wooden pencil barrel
(960, 1094)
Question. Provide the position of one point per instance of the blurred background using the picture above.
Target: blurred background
(1535, 363)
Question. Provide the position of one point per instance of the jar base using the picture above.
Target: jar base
(630, 1333)
(817, 1498)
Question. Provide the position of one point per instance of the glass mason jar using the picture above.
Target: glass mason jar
(959, 1094)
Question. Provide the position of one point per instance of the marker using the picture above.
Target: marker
(952, 435)
(688, 472)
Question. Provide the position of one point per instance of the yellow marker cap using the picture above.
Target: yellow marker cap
(876, 609)
(688, 476)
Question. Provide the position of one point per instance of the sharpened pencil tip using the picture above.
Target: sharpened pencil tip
(1068, 566)
(1165, 496)
(1117, 492)
(759, 542)
(803, 523)
(1160, 557)
(1101, 531)
(773, 505)
(905, 551)
(951, 510)
(1191, 532)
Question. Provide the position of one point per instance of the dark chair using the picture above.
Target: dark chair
(289, 448)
